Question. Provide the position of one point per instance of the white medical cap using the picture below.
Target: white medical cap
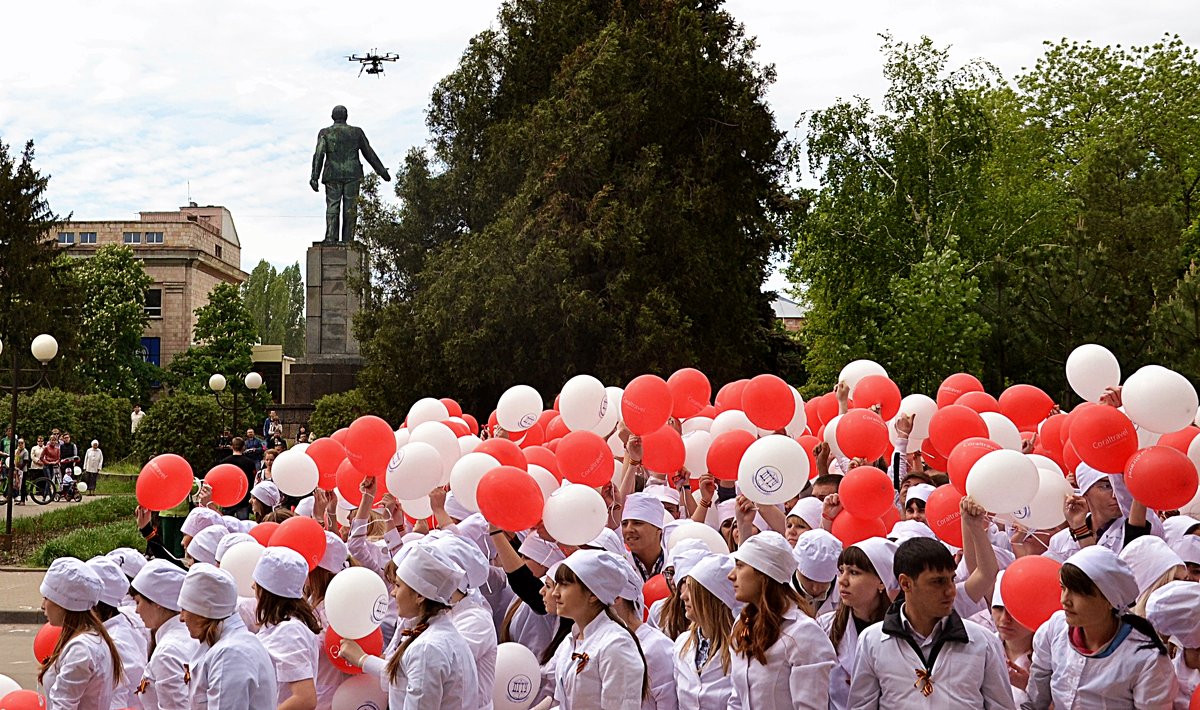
(769, 553)
(160, 581)
(209, 592)
(429, 573)
(1149, 558)
(282, 571)
(602, 572)
(114, 585)
(644, 507)
(1109, 573)
(198, 519)
(712, 573)
(882, 553)
(71, 584)
(809, 510)
(1171, 609)
(203, 547)
(817, 553)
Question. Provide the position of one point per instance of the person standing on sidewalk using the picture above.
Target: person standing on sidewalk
(35, 470)
(50, 458)
(93, 461)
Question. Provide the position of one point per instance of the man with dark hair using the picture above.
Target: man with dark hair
(241, 511)
(825, 484)
(923, 654)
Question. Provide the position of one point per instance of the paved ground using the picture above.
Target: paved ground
(30, 509)
(16, 654)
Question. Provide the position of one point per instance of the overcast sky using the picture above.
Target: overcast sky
(129, 101)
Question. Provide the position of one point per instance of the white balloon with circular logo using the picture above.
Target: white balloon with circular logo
(611, 414)
(575, 514)
(413, 471)
(442, 438)
(295, 473)
(240, 561)
(360, 692)
(773, 470)
(518, 408)
(582, 403)
(1045, 511)
(356, 602)
(518, 677)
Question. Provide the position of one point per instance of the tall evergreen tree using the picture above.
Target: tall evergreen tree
(275, 300)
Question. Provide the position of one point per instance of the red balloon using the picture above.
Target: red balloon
(557, 428)
(553, 446)
(951, 424)
(1071, 458)
(942, 514)
(263, 532)
(584, 457)
(877, 389)
(811, 407)
(730, 396)
(979, 401)
(44, 642)
(964, 456)
(459, 428)
(506, 452)
(23, 700)
(328, 455)
(1050, 435)
(809, 442)
(933, 458)
(510, 498)
(348, 479)
(850, 529)
(1179, 440)
(1025, 405)
(165, 482)
(1065, 433)
(725, 453)
(340, 435)
(541, 456)
(1161, 478)
(304, 535)
(862, 433)
(690, 392)
(890, 517)
(662, 451)
(534, 436)
(646, 404)
(471, 422)
(332, 648)
(866, 492)
(1104, 438)
(370, 444)
(229, 484)
(1030, 590)
(827, 407)
(955, 386)
(768, 402)
(546, 417)
(653, 590)
(452, 407)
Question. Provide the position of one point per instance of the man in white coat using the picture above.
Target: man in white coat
(923, 655)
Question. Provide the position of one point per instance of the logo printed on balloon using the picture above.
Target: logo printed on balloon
(369, 705)
(379, 612)
(528, 420)
(519, 688)
(1021, 514)
(397, 458)
(1109, 440)
(768, 479)
(603, 407)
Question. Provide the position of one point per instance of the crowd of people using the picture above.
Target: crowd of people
(782, 614)
(53, 457)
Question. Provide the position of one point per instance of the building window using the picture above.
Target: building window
(87, 237)
(154, 303)
(66, 237)
(217, 250)
(154, 237)
(151, 350)
(133, 237)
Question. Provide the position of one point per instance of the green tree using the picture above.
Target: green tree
(111, 324)
(184, 424)
(604, 191)
(275, 300)
(1176, 327)
(337, 410)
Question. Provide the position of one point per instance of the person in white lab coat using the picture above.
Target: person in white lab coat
(130, 643)
(954, 663)
(656, 647)
(287, 625)
(234, 670)
(166, 681)
(817, 554)
(431, 667)
(781, 657)
(84, 668)
(1171, 609)
(336, 559)
(469, 611)
(600, 665)
(702, 655)
(866, 587)
(1094, 654)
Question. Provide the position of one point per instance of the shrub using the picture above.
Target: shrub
(334, 411)
(87, 417)
(184, 424)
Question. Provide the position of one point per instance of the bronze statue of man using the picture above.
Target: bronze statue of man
(338, 147)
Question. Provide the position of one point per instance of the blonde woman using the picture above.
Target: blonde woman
(703, 654)
(84, 668)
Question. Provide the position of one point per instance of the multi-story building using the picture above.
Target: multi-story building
(185, 252)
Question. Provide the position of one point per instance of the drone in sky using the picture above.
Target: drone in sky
(372, 62)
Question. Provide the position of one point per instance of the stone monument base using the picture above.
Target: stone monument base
(313, 378)
(332, 361)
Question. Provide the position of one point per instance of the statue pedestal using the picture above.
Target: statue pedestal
(332, 360)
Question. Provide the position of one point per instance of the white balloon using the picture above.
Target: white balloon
(356, 602)
(855, 371)
(295, 473)
(773, 470)
(414, 470)
(582, 403)
(1046, 509)
(695, 424)
(464, 479)
(1091, 369)
(1046, 462)
(518, 677)
(729, 420)
(7, 685)
(691, 530)
(616, 446)
(418, 508)
(402, 436)
(299, 447)
(1002, 431)
(1147, 437)
(426, 410)
(82, 486)
(360, 692)
(343, 509)
(1003, 481)
(831, 439)
(1159, 399)
(467, 444)
(442, 438)
(240, 561)
(575, 514)
(799, 421)
(612, 412)
(922, 408)
(518, 408)
(695, 446)
(545, 480)
(914, 444)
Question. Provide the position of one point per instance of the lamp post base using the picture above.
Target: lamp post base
(6, 542)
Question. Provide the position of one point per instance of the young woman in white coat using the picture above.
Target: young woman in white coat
(781, 657)
(84, 668)
(233, 670)
(287, 626)
(1172, 611)
(166, 681)
(329, 676)
(703, 654)
(431, 667)
(129, 640)
(865, 586)
(1093, 653)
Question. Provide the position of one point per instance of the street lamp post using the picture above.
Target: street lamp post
(44, 348)
(217, 384)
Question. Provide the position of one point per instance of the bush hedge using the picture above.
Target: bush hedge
(86, 416)
(184, 424)
(334, 411)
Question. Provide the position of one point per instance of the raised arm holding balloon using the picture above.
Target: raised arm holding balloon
(980, 557)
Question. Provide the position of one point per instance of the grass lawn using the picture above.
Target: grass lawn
(82, 530)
